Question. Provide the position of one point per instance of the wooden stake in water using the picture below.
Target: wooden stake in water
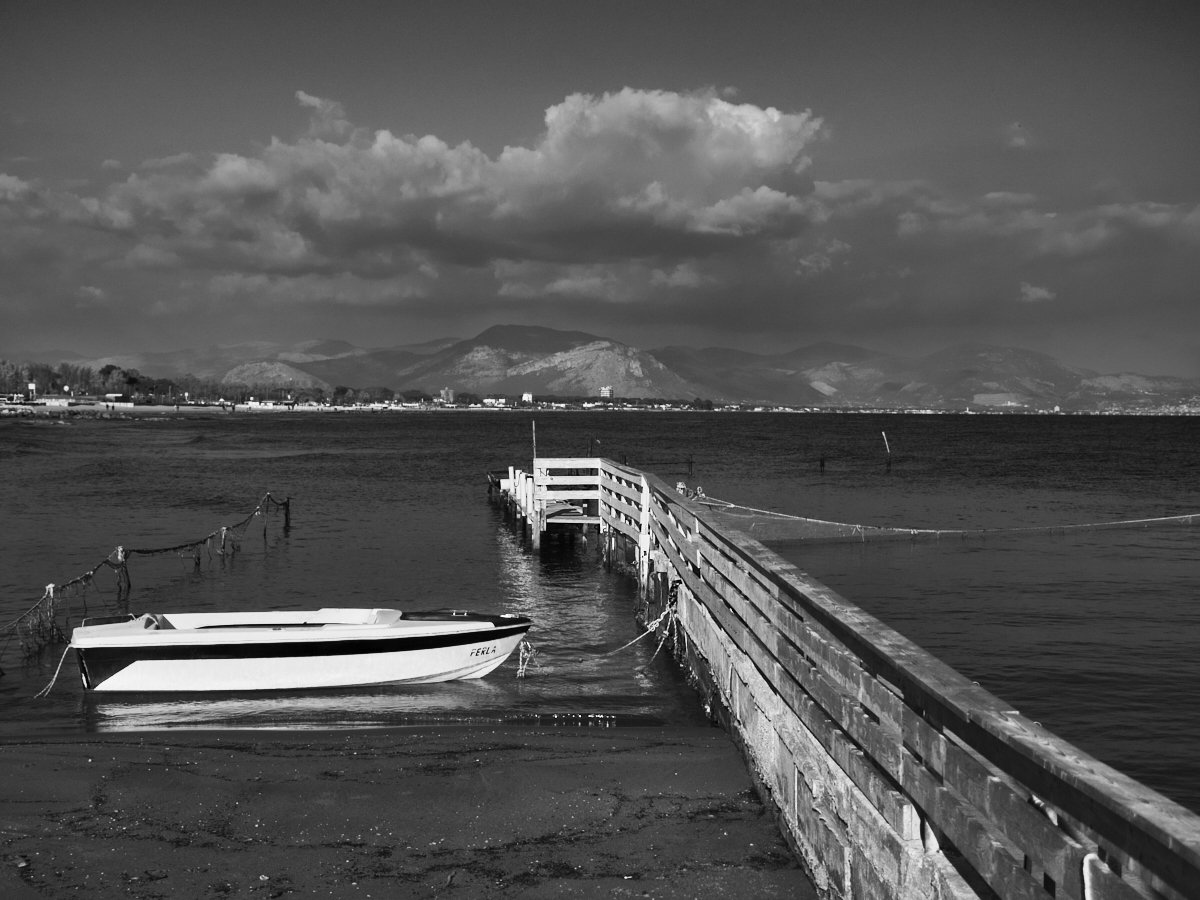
(888, 448)
(534, 424)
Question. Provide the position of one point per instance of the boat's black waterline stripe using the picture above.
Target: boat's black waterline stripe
(98, 664)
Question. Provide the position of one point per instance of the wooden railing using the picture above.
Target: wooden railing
(894, 775)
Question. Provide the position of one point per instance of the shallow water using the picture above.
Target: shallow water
(1093, 633)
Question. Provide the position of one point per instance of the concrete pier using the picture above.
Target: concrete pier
(891, 774)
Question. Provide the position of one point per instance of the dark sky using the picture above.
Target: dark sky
(899, 175)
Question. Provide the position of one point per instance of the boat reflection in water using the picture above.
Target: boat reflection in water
(446, 704)
(365, 707)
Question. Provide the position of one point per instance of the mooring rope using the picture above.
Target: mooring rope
(39, 627)
(528, 652)
(44, 692)
(861, 531)
(668, 613)
(671, 630)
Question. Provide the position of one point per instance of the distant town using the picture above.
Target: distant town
(116, 404)
(30, 389)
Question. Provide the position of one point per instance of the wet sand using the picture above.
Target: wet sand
(444, 812)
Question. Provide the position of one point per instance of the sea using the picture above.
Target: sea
(1093, 632)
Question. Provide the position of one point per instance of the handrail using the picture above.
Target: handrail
(937, 756)
(1149, 829)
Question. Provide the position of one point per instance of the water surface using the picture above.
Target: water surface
(1092, 633)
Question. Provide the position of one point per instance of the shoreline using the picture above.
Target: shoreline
(458, 811)
(100, 410)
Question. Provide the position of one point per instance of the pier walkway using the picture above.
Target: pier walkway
(892, 775)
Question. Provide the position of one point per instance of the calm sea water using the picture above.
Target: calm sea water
(1092, 633)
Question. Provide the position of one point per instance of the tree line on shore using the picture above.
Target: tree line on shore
(66, 379)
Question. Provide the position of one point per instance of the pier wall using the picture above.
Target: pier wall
(892, 775)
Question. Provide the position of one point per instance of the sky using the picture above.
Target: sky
(895, 174)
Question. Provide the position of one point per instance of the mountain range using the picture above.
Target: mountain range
(516, 359)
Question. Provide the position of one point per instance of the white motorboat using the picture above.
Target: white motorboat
(291, 650)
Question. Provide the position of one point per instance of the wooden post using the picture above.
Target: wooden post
(644, 538)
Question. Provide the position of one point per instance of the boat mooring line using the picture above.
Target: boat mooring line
(45, 692)
(668, 613)
(670, 630)
(528, 651)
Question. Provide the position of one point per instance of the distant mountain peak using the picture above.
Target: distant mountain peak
(531, 338)
(516, 359)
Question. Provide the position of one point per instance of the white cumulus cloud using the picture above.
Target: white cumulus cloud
(633, 173)
(1032, 293)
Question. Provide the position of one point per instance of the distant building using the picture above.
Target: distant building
(527, 397)
(606, 392)
(447, 395)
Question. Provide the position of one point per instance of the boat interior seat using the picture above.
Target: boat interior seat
(386, 617)
(107, 620)
(160, 622)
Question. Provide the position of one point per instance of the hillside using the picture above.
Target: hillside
(516, 359)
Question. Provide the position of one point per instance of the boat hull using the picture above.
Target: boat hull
(270, 655)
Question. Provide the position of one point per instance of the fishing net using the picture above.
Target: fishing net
(47, 620)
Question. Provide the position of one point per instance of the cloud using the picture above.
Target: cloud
(1019, 220)
(1030, 293)
(613, 282)
(182, 161)
(149, 256)
(90, 295)
(1017, 136)
(328, 119)
(680, 163)
(340, 290)
(1113, 227)
(654, 175)
(13, 188)
(675, 207)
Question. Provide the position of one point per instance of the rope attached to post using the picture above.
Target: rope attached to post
(668, 619)
(667, 615)
(38, 626)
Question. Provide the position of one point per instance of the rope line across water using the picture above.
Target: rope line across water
(822, 528)
(39, 626)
